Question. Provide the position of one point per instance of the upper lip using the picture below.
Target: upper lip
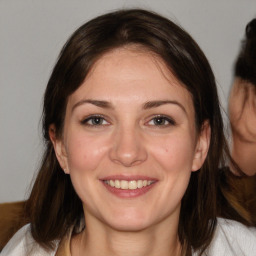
(128, 177)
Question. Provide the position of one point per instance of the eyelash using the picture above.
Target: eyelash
(100, 118)
(90, 121)
(170, 121)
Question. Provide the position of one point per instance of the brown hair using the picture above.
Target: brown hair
(53, 205)
(236, 197)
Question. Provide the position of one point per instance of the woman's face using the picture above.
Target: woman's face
(130, 142)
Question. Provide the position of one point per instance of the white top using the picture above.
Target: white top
(22, 244)
(230, 239)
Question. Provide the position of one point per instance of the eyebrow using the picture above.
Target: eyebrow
(147, 105)
(98, 103)
(158, 103)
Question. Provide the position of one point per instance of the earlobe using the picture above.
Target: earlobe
(59, 149)
(202, 146)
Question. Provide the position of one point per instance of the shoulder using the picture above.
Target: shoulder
(23, 244)
(232, 238)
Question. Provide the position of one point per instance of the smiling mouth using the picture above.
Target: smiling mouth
(131, 184)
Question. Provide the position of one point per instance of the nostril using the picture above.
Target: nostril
(128, 159)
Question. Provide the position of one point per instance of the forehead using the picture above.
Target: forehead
(132, 73)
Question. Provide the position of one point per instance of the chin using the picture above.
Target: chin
(129, 221)
(132, 226)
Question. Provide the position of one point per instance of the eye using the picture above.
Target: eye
(161, 121)
(94, 121)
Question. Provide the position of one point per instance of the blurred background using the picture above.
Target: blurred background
(32, 34)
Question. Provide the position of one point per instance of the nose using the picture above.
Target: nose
(128, 147)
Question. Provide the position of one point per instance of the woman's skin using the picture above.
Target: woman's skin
(130, 122)
(242, 112)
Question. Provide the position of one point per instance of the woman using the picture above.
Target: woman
(134, 138)
(242, 104)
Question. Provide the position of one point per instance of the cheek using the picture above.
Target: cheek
(174, 153)
(85, 152)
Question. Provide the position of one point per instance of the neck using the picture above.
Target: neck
(99, 240)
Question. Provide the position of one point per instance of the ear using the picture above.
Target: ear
(202, 146)
(59, 149)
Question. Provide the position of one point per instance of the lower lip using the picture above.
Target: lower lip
(128, 193)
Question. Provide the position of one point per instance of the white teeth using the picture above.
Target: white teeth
(132, 184)
(117, 184)
(139, 183)
(124, 184)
